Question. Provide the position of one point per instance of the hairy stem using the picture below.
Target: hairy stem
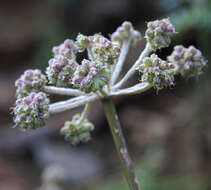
(121, 60)
(62, 91)
(147, 50)
(71, 103)
(136, 89)
(120, 144)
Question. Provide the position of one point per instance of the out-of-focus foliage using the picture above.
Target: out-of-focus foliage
(195, 15)
(151, 180)
(191, 15)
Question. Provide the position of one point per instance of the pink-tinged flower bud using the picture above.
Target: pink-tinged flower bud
(30, 81)
(157, 72)
(159, 33)
(67, 49)
(126, 32)
(75, 132)
(190, 61)
(60, 71)
(31, 111)
(91, 76)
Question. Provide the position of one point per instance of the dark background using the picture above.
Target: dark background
(168, 132)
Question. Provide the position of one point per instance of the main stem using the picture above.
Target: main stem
(120, 144)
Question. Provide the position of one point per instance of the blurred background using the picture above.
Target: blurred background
(168, 133)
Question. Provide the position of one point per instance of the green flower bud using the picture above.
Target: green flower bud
(75, 133)
(126, 32)
(82, 42)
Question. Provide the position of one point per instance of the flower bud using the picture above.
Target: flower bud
(189, 61)
(76, 133)
(82, 42)
(31, 111)
(126, 32)
(90, 76)
(158, 33)
(67, 49)
(157, 72)
(30, 81)
(60, 71)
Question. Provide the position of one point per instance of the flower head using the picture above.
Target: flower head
(126, 32)
(31, 111)
(158, 33)
(90, 76)
(157, 72)
(30, 81)
(60, 71)
(75, 132)
(189, 60)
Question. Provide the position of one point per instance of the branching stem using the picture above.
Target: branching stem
(71, 103)
(121, 60)
(81, 100)
(136, 89)
(147, 50)
(62, 91)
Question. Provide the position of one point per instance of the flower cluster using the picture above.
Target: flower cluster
(30, 81)
(61, 70)
(63, 65)
(75, 132)
(91, 76)
(64, 71)
(189, 61)
(31, 111)
(157, 72)
(105, 61)
(158, 33)
(99, 48)
(126, 32)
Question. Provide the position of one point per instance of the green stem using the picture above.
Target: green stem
(84, 114)
(120, 144)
